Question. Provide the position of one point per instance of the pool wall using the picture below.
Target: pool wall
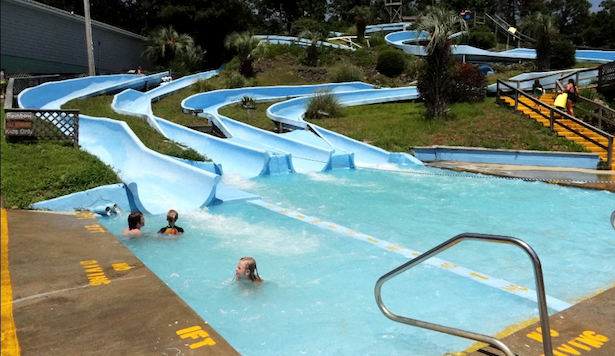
(517, 157)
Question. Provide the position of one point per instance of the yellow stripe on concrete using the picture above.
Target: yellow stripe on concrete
(10, 344)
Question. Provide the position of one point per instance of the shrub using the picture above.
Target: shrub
(248, 102)
(481, 37)
(377, 39)
(203, 85)
(306, 24)
(563, 55)
(189, 153)
(323, 104)
(391, 63)
(346, 73)
(469, 84)
(235, 80)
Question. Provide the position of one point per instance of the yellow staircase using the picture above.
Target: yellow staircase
(526, 106)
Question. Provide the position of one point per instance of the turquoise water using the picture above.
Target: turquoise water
(318, 294)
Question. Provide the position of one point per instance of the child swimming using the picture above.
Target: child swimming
(135, 222)
(246, 270)
(171, 229)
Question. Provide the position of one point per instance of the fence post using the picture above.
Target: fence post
(551, 119)
(609, 161)
(517, 98)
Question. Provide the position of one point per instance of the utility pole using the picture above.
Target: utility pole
(88, 37)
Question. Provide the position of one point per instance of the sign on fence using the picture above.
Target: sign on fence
(62, 125)
(19, 123)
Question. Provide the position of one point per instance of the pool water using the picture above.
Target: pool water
(318, 294)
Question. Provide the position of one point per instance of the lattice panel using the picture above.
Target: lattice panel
(57, 125)
(606, 77)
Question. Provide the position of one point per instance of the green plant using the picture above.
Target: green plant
(481, 37)
(185, 153)
(377, 39)
(306, 24)
(248, 48)
(563, 54)
(323, 104)
(391, 63)
(248, 102)
(346, 73)
(203, 85)
(235, 80)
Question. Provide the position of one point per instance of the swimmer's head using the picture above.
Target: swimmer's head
(246, 270)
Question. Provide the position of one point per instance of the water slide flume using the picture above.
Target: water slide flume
(232, 156)
(291, 112)
(155, 181)
(405, 40)
(316, 155)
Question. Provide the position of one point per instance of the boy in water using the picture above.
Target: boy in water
(135, 222)
(171, 229)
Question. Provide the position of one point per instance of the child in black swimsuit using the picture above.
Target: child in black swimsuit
(573, 94)
(171, 229)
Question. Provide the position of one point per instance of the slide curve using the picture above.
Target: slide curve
(157, 182)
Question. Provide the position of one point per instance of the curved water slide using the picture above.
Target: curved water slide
(253, 162)
(291, 112)
(156, 181)
(315, 155)
(403, 40)
(303, 42)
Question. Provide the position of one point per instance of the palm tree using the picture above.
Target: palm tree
(541, 27)
(362, 15)
(312, 51)
(248, 48)
(436, 77)
(164, 44)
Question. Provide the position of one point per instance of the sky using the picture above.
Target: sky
(595, 5)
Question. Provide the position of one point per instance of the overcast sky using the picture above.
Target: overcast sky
(595, 5)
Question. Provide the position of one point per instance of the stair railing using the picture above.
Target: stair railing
(503, 87)
(602, 109)
(540, 291)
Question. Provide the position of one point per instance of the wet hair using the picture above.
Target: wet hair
(251, 266)
(172, 215)
(134, 219)
(571, 81)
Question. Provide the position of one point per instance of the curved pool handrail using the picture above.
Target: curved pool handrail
(538, 276)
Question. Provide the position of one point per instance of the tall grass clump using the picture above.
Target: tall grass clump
(391, 63)
(346, 73)
(203, 85)
(235, 80)
(323, 105)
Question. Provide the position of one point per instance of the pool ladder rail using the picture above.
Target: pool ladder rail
(540, 291)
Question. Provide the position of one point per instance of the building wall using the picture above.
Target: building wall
(39, 39)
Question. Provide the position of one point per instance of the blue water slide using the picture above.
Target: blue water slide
(291, 112)
(155, 180)
(387, 27)
(303, 42)
(305, 155)
(253, 162)
(404, 40)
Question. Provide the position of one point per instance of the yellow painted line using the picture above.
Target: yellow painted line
(10, 344)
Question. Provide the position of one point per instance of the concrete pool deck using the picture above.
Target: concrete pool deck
(75, 290)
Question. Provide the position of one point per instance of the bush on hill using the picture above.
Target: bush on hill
(391, 63)
(469, 84)
(346, 72)
(563, 54)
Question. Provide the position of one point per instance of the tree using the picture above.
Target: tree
(164, 45)
(541, 28)
(436, 77)
(571, 17)
(312, 52)
(362, 15)
(601, 29)
(248, 48)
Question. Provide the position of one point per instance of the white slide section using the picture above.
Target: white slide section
(156, 181)
(234, 157)
(306, 156)
(291, 113)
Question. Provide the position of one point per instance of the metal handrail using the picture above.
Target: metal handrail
(540, 291)
(552, 111)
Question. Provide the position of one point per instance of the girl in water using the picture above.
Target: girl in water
(246, 270)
